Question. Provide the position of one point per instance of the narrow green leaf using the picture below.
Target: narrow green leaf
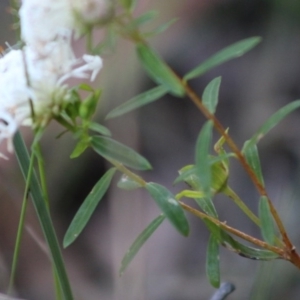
(246, 251)
(252, 157)
(85, 87)
(44, 217)
(111, 149)
(235, 50)
(143, 19)
(202, 165)
(161, 28)
(222, 157)
(87, 208)
(188, 175)
(273, 121)
(207, 205)
(139, 242)
(88, 106)
(81, 146)
(138, 101)
(159, 71)
(126, 183)
(233, 245)
(213, 262)
(214, 229)
(266, 219)
(210, 95)
(99, 128)
(169, 206)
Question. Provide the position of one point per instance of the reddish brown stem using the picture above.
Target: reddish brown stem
(234, 231)
(197, 101)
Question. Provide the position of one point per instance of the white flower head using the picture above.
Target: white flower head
(31, 80)
(34, 83)
(44, 21)
(13, 95)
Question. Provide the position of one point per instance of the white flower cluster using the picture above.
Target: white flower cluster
(33, 79)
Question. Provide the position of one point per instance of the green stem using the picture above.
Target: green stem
(237, 200)
(44, 217)
(42, 175)
(89, 40)
(21, 226)
(234, 231)
(127, 172)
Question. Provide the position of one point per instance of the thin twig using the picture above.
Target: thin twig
(234, 231)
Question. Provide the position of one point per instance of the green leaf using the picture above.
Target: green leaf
(246, 251)
(207, 205)
(211, 94)
(113, 150)
(138, 101)
(169, 206)
(99, 128)
(222, 158)
(218, 146)
(266, 220)
(129, 4)
(88, 107)
(228, 53)
(188, 175)
(202, 165)
(81, 146)
(214, 229)
(159, 71)
(252, 157)
(213, 262)
(161, 28)
(144, 18)
(273, 121)
(87, 208)
(126, 183)
(231, 244)
(44, 217)
(85, 87)
(139, 242)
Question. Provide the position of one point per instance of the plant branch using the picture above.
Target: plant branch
(234, 231)
(262, 191)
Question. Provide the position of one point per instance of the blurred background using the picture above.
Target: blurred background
(170, 267)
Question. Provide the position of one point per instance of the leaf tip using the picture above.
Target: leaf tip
(66, 243)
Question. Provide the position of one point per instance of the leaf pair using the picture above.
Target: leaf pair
(168, 81)
(112, 151)
(171, 210)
